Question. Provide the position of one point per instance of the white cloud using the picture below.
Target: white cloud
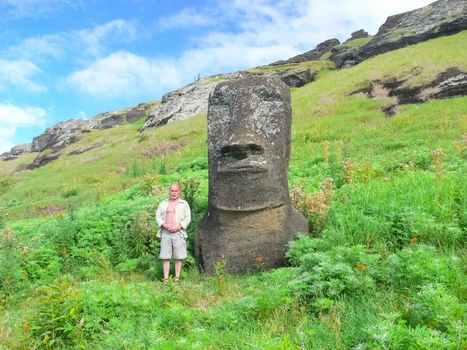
(36, 48)
(96, 40)
(187, 17)
(93, 42)
(123, 74)
(12, 117)
(18, 74)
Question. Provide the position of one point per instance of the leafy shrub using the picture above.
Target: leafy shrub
(189, 189)
(302, 245)
(3, 217)
(6, 182)
(199, 163)
(69, 191)
(420, 264)
(315, 206)
(10, 273)
(337, 272)
(433, 306)
(58, 322)
(149, 183)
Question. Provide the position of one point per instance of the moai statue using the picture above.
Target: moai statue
(250, 219)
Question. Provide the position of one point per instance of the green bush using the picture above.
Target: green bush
(433, 306)
(58, 321)
(10, 271)
(420, 264)
(337, 272)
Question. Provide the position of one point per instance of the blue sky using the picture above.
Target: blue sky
(63, 59)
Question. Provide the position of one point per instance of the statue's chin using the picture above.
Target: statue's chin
(242, 168)
(243, 208)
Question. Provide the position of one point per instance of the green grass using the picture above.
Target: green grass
(384, 268)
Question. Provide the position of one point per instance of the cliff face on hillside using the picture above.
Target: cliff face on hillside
(69, 131)
(443, 17)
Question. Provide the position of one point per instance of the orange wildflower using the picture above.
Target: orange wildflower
(413, 240)
(26, 327)
(221, 280)
(361, 266)
(259, 259)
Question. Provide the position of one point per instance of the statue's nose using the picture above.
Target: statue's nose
(241, 151)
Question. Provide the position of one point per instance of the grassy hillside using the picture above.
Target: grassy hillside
(383, 269)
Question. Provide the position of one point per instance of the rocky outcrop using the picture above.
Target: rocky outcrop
(443, 17)
(359, 34)
(344, 57)
(296, 78)
(314, 54)
(450, 83)
(64, 133)
(16, 151)
(109, 120)
(42, 159)
(181, 103)
(59, 135)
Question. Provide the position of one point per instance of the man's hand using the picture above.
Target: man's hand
(172, 228)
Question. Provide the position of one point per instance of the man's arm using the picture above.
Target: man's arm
(160, 218)
(186, 217)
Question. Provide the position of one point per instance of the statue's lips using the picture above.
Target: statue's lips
(239, 168)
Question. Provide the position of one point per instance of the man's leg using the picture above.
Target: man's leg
(178, 269)
(166, 268)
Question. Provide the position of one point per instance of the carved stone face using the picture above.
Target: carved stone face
(249, 144)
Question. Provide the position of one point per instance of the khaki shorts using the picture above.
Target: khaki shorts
(173, 245)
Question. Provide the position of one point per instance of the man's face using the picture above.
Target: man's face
(174, 192)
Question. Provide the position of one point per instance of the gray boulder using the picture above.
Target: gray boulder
(296, 78)
(250, 219)
(16, 151)
(314, 54)
(443, 17)
(42, 159)
(59, 135)
(359, 34)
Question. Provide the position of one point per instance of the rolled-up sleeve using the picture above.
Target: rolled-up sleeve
(186, 219)
(160, 217)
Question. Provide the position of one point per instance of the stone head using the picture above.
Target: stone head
(249, 123)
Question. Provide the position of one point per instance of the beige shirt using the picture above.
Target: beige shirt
(182, 215)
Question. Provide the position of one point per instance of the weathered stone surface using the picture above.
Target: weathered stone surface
(358, 34)
(297, 78)
(249, 216)
(16, 151)
(112, 119)
(344, 57)
(450, 83)
(42, 160)
(314, 54)
(187, 101)
(58, 136)
(181, 104)
(443, 17)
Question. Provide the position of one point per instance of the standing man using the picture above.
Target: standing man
(173, 217)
